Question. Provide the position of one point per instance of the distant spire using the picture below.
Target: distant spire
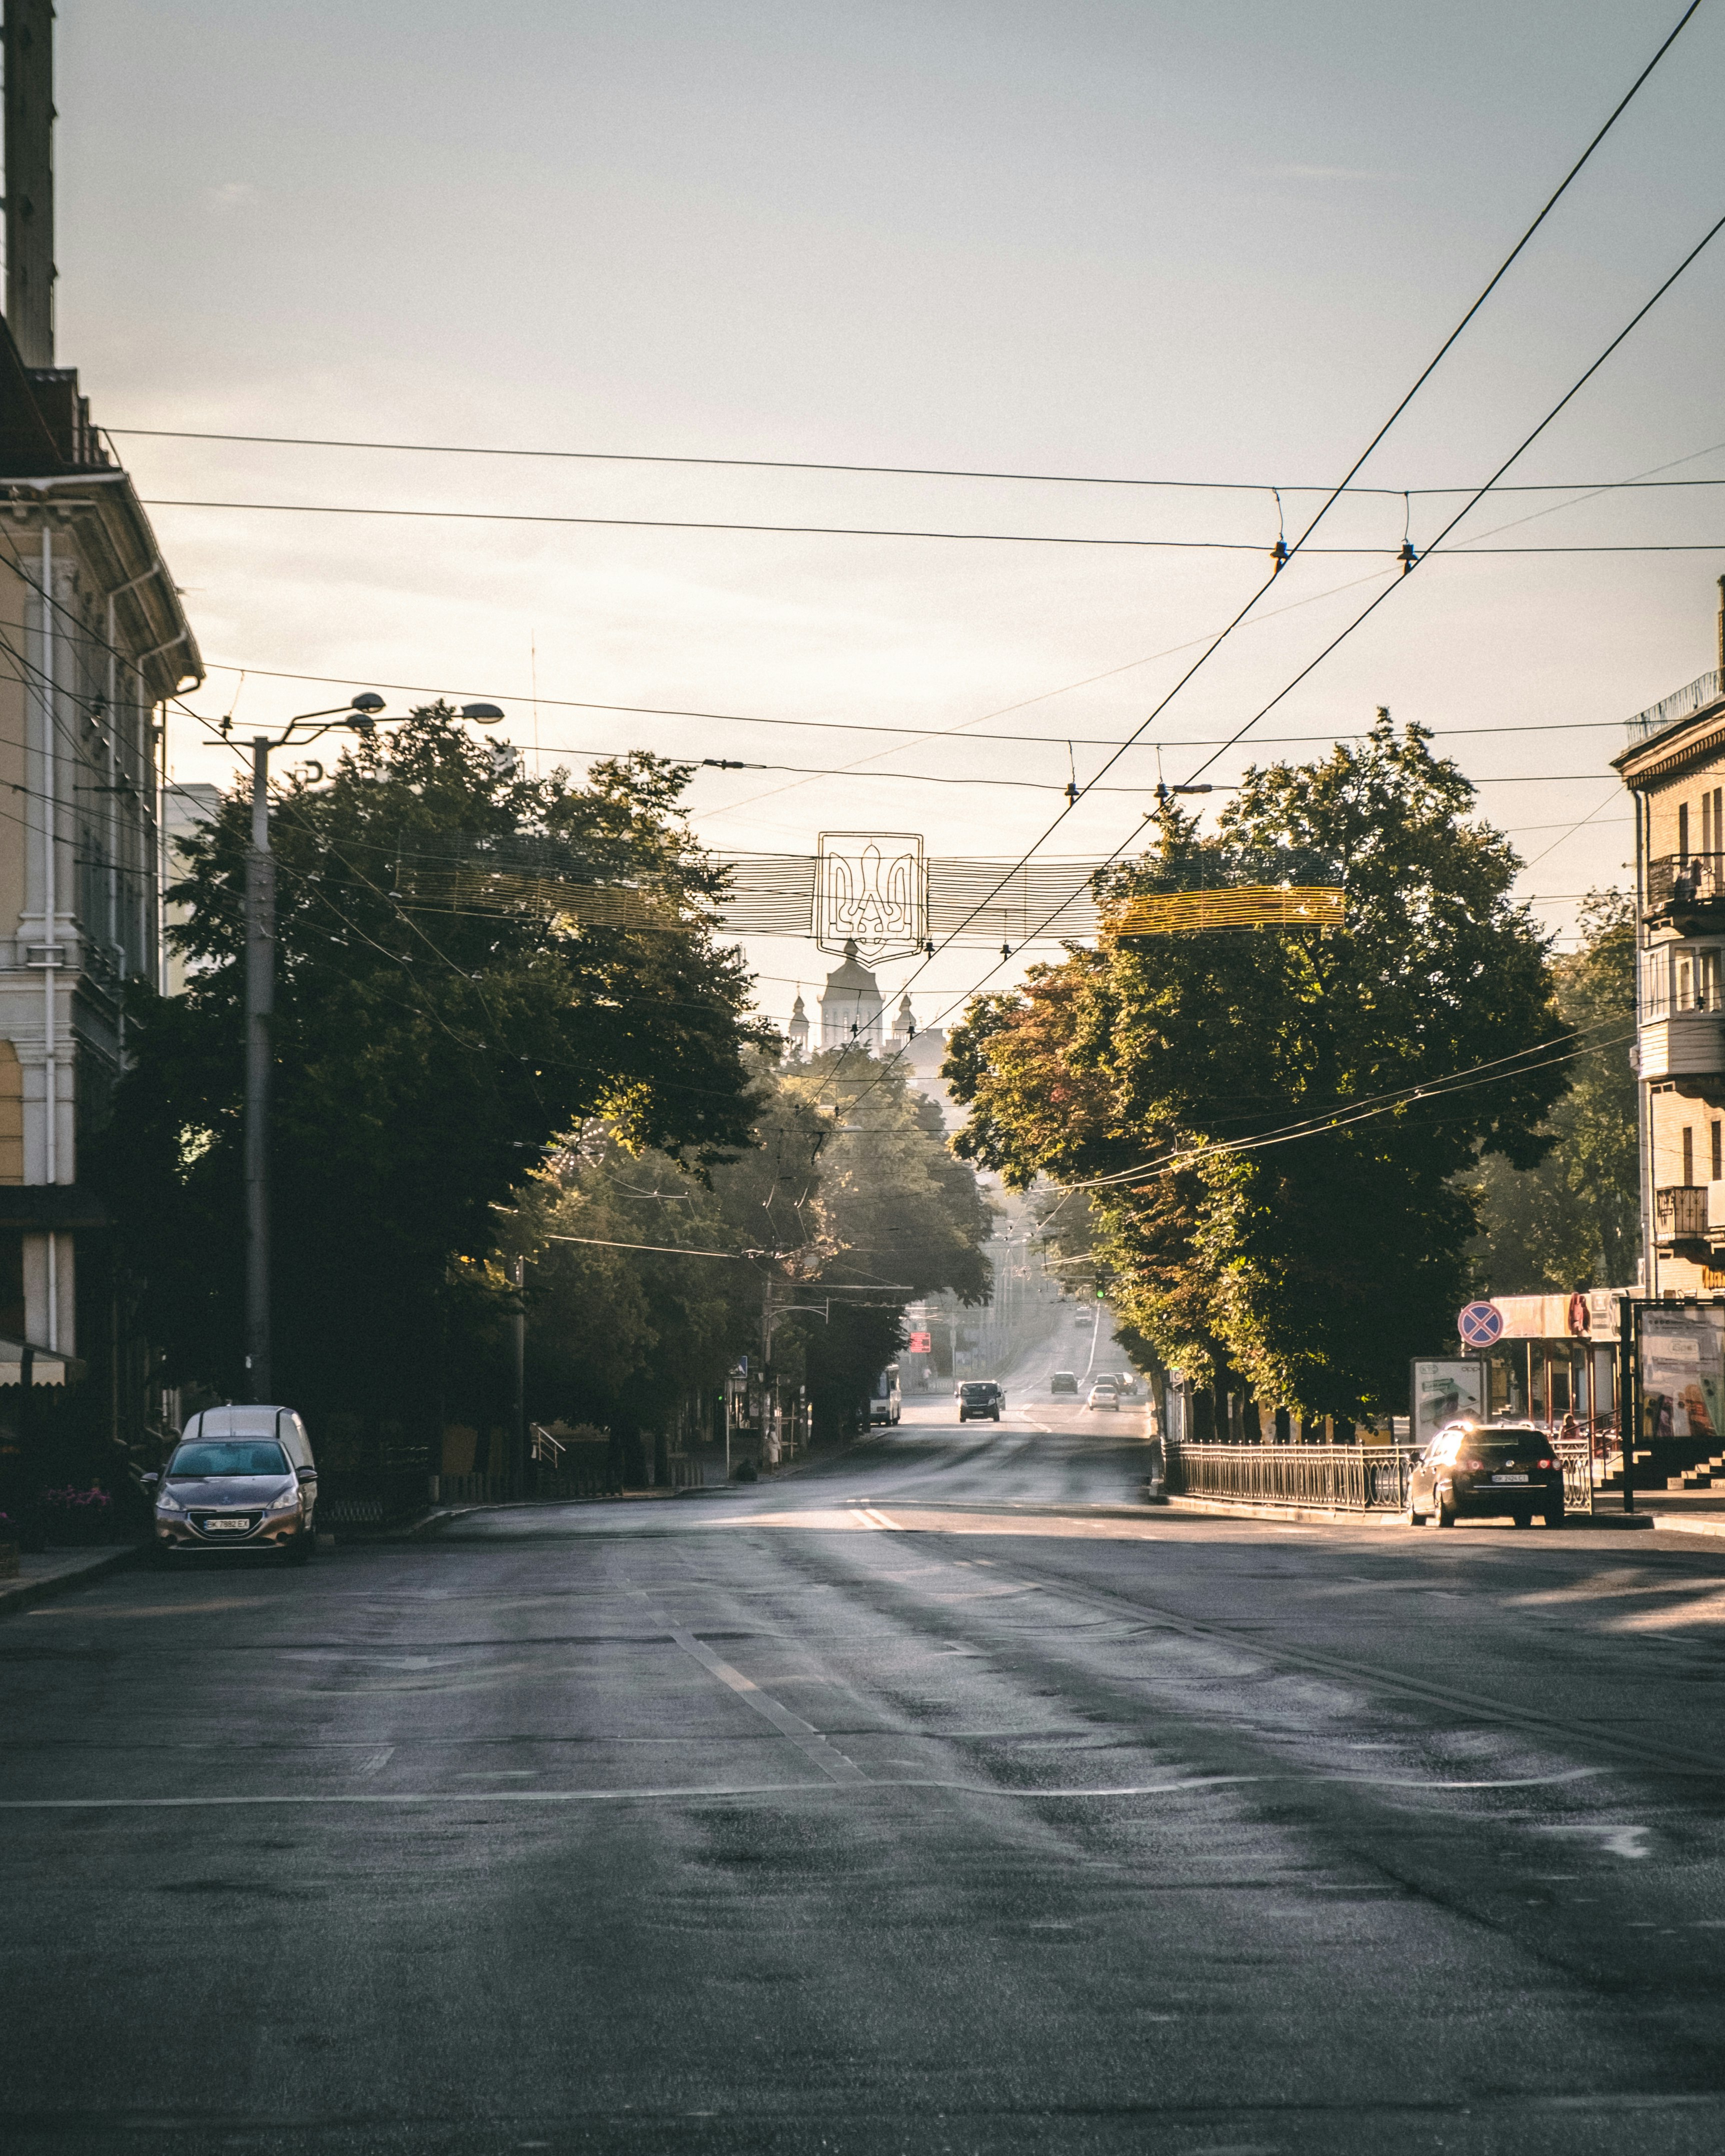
(796, 1032)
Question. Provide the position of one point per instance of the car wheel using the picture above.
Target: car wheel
(1553, 1516)
(1415, 1518)
(1445, 1514)
(1521, 1519)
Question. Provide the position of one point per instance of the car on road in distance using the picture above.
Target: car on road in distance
(240, 1478)
(1102, 1395)
(1487, 1471)
(979, 1398)
(1064, 1381)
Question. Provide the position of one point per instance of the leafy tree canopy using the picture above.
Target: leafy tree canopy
(435, 1032)
(847, 1202)
(1573, 1220)
(1190, 1068)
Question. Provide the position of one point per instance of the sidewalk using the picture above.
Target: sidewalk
(56, 1571)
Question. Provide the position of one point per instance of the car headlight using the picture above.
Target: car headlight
(287, 1502)
(166, 1501)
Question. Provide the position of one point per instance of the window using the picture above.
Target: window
(1718, 1152)
(1688, 1154)
(1697, 981)
(1683, 830)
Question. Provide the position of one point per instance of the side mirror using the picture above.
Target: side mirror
(148, 1481)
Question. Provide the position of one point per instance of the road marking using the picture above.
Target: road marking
(807, 1738)
(856, 1783)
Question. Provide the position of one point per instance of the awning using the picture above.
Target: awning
(48, 1366)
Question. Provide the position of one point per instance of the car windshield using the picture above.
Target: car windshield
(1499, 1451)
(231, 1455)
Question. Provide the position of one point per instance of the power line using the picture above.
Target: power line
(898, 471)
(887, 531)
(957, 735)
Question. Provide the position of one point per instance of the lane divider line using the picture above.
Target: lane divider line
(854, 1782)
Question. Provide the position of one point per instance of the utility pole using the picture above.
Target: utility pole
(518, 1410)
(259, 1009)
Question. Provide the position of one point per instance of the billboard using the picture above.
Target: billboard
(1443, 1389)
(919, 1343)
(1682, 1356)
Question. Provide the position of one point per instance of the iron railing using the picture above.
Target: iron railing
(1682, 704)
(1682, 879)
(1680, 1213)
(1345, 1478)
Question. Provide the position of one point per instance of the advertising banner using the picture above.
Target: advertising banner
(1682, 1373)
(919, 1343)
(1442, 1391)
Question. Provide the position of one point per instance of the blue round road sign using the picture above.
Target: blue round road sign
(1481, 1325)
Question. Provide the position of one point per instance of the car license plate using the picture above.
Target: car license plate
(1509, 1478)
(239, 1527)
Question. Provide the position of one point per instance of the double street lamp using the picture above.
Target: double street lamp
(361, 714)
(358, 716)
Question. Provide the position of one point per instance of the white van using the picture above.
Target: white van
(240, 1478)
(281, 1423)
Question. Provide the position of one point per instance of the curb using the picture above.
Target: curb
(1333, 1518)
(16, 1595)
(1713, 1525)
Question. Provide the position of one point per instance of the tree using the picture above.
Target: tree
(1280, 1115)
(846, 1198)
(1574, 1220)
(441, 1018)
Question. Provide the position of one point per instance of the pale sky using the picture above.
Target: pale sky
(1145, 240)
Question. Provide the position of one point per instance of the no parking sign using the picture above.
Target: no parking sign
(1481, 1325)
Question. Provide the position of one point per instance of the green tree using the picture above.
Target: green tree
(1283, 1114)
(1574, 1220)
(846, 1198)
(437, 1027)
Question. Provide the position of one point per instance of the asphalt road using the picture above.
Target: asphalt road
(941, 1798)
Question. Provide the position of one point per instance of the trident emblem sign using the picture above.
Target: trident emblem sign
(871, 889)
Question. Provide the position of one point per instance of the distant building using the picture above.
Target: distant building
(923, 1051)
(851, 1009)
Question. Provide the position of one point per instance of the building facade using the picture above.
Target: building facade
(93, 640)
(1675, 770)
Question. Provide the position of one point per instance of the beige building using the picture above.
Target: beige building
(92, 640)
(1675, 767)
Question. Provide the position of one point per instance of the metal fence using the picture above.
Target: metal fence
(1347, 1478)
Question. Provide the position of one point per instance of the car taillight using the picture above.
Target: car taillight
(1545, 1463)
(1471, 1466)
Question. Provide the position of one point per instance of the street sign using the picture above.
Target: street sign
(919, 1343)
(1481, 1325)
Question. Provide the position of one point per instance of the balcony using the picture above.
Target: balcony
(1686, 889)
(1680, 1215)
(1686, 1049)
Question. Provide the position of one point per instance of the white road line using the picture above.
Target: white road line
(807, 1738)
(860, 1785)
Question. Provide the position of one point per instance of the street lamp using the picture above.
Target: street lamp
(360, 713)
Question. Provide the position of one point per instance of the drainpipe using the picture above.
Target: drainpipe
(50, 922)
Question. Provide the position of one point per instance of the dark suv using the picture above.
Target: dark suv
(1483, 1470)
(979, 1397)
